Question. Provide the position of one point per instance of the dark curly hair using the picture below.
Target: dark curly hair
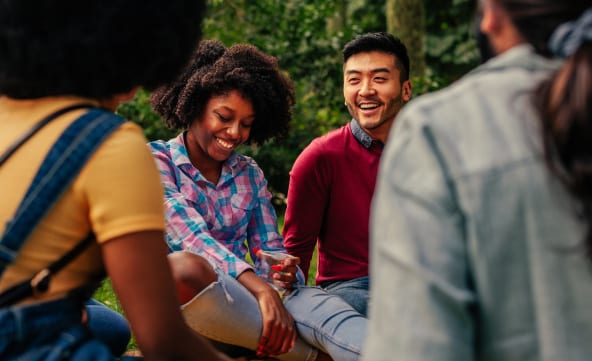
(215, 70)
(94, 48)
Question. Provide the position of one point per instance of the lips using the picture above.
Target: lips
(224, 144)
(368, 106)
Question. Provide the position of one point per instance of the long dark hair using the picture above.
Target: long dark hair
(564, 100)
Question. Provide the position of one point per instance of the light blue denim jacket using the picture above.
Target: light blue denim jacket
(476, 250)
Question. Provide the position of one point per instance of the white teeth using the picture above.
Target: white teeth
(368, 106)
(225, 144)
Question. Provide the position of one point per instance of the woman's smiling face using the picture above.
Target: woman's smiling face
(225, 124)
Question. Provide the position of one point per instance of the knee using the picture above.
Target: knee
(108, 326)
(191, 273)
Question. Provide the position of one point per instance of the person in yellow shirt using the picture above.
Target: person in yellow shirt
(90, 54)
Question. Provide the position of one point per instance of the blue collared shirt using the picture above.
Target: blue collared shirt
(361, 136)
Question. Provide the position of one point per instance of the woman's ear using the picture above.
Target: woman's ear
(490, 17)
(498, 26)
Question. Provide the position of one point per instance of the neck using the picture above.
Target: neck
(499, 27)
(382, 132)
(208, 167)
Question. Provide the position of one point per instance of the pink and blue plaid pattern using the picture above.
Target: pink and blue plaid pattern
(215, 220)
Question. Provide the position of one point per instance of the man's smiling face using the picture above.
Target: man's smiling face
(373, 91)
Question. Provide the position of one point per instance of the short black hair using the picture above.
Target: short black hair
(94, 48)
(383, 42)
(216, 70)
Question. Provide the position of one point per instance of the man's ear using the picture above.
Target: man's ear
(406, 89)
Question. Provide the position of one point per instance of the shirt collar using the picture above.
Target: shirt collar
(521, 56)
(361, 136)
(179, 150)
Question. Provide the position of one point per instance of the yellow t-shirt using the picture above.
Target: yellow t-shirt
(118, 192)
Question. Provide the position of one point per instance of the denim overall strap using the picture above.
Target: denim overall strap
(37, 127)
(64, 161)
(49, 331)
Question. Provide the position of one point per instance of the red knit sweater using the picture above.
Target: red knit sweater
(331, 187)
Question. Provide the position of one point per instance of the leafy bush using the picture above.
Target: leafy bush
(307, 37)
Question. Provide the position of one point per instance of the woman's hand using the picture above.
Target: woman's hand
(285, 276)
(279, 331)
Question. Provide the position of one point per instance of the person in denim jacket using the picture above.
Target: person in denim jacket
(482, 219)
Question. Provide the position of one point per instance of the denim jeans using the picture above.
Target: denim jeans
(354, 292)
(48, 331)
(227, 312)
(108, 326)
(327, 322)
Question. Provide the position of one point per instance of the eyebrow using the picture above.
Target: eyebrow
(226, 107)
(373, 71)
(231, 110)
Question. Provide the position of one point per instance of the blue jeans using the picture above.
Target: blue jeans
(327, 322)
(227, 312)
(354, 292)
(48, 331)
(108, 326)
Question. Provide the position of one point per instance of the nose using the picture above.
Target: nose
(232, 129)
(367, 88)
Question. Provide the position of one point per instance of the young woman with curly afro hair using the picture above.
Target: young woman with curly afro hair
(219, 212)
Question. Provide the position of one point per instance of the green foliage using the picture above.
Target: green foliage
(138, 109)
(367, 16)
(106, 295)
(426, 84)
(295, 32)
(450, 45)
(307, 37)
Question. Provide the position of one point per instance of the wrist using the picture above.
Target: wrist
(257, 286)
(265, 291)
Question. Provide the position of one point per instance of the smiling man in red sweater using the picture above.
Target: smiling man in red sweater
(332, 181)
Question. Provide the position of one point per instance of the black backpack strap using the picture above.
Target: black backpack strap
(40, 282)
(62, 164)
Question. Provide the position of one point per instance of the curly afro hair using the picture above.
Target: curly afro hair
(216, 70)
(94, 48)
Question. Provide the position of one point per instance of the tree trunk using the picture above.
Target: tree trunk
(405, 19)
(338, 21)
